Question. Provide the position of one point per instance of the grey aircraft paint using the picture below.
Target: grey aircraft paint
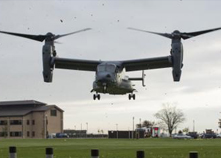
(109, 74)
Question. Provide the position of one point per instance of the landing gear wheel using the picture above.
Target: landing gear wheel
(131, 96)
(105, 89)
(96, 96)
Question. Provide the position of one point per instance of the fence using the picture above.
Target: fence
(94, 153)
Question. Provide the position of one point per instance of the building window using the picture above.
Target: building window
(28, 134)
(15, 134)
(27, 122)
(53, 112)
(3, 122)
(3, 134)
(15, 122)
(33, 122)
(33, 133)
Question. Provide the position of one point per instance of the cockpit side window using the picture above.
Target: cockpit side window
(101, 68)
(110, 68)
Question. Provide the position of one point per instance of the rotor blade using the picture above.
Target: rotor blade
(57, 42)
(59, 36)
(39, 38)
(186, 35)
(161, 34)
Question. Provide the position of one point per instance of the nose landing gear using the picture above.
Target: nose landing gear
(96, 96)
(104, 87)
(131, 96)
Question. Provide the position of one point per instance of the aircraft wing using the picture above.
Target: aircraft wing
(149, 63)
(75, 64)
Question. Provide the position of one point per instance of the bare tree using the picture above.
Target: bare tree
(170, 117)
(138, 126)
(219, 123)
(146, 124)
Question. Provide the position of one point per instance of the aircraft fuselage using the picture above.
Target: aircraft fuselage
(110, 79)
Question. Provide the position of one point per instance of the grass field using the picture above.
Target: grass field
(112, 148)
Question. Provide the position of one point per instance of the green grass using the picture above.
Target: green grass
(112, 148)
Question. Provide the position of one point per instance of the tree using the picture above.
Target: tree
(146, 124)
(138, 126)
(170, 117)
(186, 130)
(219, 123)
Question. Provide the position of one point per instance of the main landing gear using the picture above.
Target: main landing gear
(97, 96)
(131, 96)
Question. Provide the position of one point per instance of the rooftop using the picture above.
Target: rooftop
(21, 108)
(21, 102)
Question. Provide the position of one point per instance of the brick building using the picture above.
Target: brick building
(29, 119)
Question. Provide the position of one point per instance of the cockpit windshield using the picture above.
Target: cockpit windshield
(106, 67)
(101, 68)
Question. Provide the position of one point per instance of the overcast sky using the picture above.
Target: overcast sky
(197, 94)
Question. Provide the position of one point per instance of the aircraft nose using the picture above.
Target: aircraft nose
(104, 78)
(108, 76)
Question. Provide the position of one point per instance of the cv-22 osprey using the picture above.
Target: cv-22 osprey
(110, 76)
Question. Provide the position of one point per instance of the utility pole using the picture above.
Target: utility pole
(81, 131)
(133, 129)
(193, 125)
(117, 130)
(87, 128)
(140, 122)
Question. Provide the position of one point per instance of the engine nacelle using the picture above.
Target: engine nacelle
(177, 59)
(48, 67)
(176, 75)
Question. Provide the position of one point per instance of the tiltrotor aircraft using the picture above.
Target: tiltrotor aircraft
(110, 76)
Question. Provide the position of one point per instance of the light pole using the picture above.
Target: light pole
(117, 130)
(87, 128)
(140, 122)
(133, 129)
(81, 131)
(193, 125)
